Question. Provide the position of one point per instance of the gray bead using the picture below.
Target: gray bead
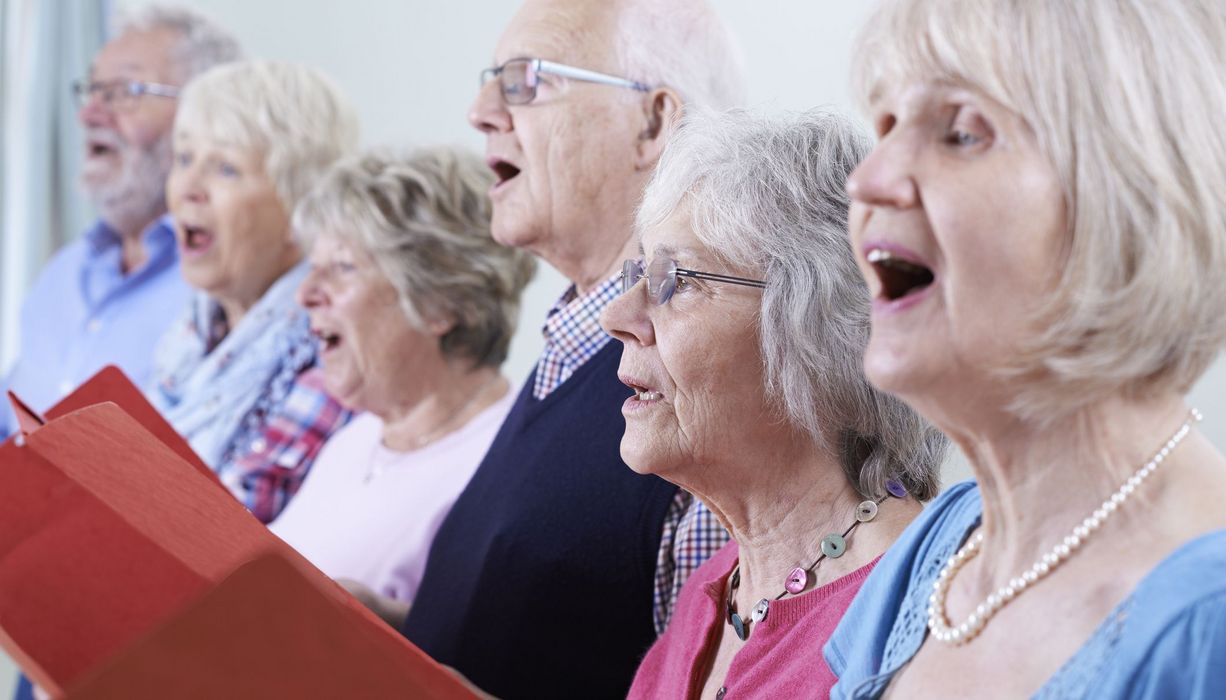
(759, 611)
(833, 545)
(738, 626)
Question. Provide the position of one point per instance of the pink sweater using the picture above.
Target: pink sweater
(782, 657)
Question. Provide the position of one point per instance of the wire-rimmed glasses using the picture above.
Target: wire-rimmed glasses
(120, 94)
(518, 78)
(662, 276)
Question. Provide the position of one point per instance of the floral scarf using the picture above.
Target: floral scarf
(217, 388)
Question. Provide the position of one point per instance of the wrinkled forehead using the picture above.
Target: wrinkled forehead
(674, 235)
(575, 32)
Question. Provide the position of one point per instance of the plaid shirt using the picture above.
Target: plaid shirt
(573, 335)
(691, 533)
(270, 468)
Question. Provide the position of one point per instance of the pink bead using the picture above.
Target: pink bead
(798, 580)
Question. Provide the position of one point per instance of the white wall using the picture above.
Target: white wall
(8, 676)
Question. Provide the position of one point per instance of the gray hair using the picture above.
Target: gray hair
(291, 114)
(203, 43)
(424, 218)
(684, 45)
(767, 194)
(1125, 99)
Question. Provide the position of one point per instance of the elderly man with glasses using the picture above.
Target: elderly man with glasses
(558, 565)
(106, 298)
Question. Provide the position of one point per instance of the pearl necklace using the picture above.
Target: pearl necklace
(938, 621)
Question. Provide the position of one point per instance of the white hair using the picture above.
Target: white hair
(767, 195)
(1126, 99)
(424, 219)
(289, 113)
(203, 44)
(683, 45)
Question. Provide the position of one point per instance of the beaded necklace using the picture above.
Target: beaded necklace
(833, 546)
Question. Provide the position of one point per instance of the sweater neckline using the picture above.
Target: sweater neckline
(789, 609)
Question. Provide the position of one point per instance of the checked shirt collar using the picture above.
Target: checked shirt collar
(573, 334)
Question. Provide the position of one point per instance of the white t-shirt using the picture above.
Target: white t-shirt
(369, 514)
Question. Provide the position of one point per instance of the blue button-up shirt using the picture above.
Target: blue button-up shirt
(83, 313)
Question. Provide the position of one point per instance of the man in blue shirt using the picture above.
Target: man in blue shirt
(108, 297)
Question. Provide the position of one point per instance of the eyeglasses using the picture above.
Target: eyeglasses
(518, 78)
(120, 94)
(662, 276)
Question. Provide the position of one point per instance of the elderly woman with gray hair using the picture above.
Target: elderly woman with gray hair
(414, 305)
(233, 377)
(1043, 227)
(743, 329)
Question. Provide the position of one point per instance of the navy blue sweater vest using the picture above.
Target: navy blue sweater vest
(539, 583)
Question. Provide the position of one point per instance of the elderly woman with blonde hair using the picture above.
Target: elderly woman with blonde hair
(249, 141)
(414, 305)
(1043, 227)
(743, 327)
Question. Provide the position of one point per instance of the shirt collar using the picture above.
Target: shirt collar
(574, 319)
(101, 237)
(158, 237)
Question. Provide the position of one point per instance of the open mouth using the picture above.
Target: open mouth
(642, 393)
(899, 278)
(97, 149)
(101, 143)
(327, 339)
(197, 238)
(503, 170)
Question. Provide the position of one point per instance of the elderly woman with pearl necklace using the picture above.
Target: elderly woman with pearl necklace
(1044, 236)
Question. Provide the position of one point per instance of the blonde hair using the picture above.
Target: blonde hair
(1125, 98)
(424, 218)
(289, 113)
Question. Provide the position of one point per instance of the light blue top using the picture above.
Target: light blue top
(83, 313)
(1166, 640)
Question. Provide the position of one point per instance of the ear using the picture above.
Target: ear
(440, 326)
(662, 110)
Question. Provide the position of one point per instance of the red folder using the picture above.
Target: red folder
(120, 554)
(111, 384)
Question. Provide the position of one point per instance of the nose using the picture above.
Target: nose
(310, 294)
(626, 317)
(94, 112)
(191, 185)
(488, 113)
(184, 185)
(885, 177)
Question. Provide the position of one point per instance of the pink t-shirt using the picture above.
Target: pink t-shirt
(782, 657)
(370, 514)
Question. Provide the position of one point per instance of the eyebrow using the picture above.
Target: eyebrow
(665, 249)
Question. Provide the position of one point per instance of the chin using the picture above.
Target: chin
(639, 460)
(199, 279)
(513, 231)
(895, 371)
